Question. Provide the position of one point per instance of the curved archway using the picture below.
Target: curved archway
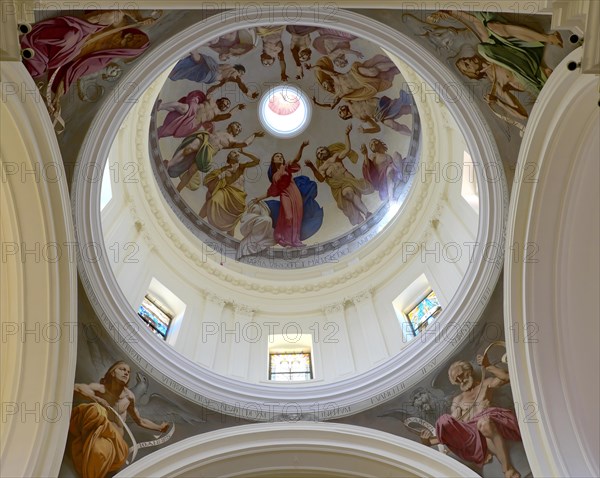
(297, 449)
(552, 267)
(38, 284)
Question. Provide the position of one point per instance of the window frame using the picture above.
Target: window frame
(310, 367)
(417, 330)
(150, 324)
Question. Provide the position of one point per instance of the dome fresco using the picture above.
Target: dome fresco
(311, 194)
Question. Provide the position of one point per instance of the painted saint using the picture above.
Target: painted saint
(226, 197)
(474, 430)
(192, 112)
(97, 428)
(346, 189)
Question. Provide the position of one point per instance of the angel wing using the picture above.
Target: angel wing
(397, 413)
(162, 409)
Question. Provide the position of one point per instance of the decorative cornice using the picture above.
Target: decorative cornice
(372, 255)
(215, 299)
(355, 393)
(334, 308)
(363, 296)
(242, 309)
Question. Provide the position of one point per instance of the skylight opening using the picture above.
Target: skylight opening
(285, 111)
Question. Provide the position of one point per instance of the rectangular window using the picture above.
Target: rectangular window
(290, 367)
(156, 316)
(427, 309)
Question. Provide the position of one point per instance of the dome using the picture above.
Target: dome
(341, 295)
(296, 154)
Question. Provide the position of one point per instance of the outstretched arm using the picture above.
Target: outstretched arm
(137, 17)
(296, 56)
(144, 422)
(348, 147)
(500, 376)
(336, 101)
(374, 128)
(225, 116)
(255, 161)
(363, 150)
(282, 66)
(295, 50)
(315, 171)
(299, 155)
(215, 87)
(504, 98)
(318, 67)
(244, 88)
(247, 142)
(470, 21)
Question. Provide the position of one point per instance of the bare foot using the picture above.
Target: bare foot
(556, 39)
(488, 458)
(511, 473)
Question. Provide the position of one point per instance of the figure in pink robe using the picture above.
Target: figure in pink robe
(181, 122)
(67, 48)
(193, 112)
(467, 442)
(382, 171)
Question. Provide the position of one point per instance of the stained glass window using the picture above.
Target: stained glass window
(290, 367)
(155, 316)
(423, 312)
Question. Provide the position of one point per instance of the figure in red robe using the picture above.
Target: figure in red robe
(476, 431)
(288, 227)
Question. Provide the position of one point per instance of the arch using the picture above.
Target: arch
(38, 281)
(552, 268)
(297, 449)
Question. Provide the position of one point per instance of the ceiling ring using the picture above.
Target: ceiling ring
(323, 401)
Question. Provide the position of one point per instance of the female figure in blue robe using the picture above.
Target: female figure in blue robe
(202, 68)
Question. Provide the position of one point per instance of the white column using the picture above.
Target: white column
(369, 324)
(210, 332)
(135, 277)
(337, 344)
(190, 329)
(239, 352)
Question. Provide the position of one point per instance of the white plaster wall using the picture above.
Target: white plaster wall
(355, 330)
